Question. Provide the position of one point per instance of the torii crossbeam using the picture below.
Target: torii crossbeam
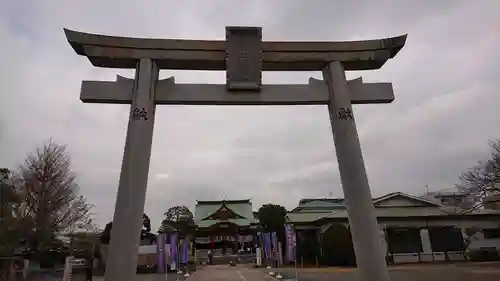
(168, 92)
(244, 56)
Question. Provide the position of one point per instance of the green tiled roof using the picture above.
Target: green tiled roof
(319, 205)
(305, 217)
(242, 208)
(239, 222)
(321, 202)
(396, 212)
(402, 206)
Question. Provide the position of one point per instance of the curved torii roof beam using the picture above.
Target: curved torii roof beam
(124, 52)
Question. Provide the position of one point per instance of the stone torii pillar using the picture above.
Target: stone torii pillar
(370, 254)
(244, 56)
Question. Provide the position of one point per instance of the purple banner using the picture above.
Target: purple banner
(287, 244)
(267, 242)
(290, 242)
(260, 243)
(185, 250)
(160, 249)
(168, 258)
(274, 243)
(174, 248)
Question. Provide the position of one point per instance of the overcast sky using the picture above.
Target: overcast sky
(446, 84)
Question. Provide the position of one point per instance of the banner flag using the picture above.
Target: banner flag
(290, 242)
(174, 248)
(160, 249)
(185, 250)
(274, 244)
(267, 241)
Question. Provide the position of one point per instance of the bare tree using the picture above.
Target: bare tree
(482, 181)
(48, 193)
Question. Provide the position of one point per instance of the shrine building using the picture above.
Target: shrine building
(226, 226)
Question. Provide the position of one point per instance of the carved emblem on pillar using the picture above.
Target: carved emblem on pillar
(345, 114)
(139, 114)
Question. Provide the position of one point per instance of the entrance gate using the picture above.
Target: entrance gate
(244, 56)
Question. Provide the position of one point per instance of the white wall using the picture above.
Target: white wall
(485, 243)
(479, 223)
(478, 241)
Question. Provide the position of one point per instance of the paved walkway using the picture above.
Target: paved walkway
(428, 272)
(229, 273)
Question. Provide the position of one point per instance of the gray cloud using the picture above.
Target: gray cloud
(446, 83)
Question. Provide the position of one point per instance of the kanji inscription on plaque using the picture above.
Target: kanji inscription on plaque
(243, 58)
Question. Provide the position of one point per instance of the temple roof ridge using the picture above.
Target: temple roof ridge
(225, 201)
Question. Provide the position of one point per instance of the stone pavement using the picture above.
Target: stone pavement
(208, 273)
(428, 272)
(229, 273)
(139, 277)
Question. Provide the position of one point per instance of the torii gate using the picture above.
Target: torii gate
(244, 56)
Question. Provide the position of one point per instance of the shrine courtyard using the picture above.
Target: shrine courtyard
(428, 272)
